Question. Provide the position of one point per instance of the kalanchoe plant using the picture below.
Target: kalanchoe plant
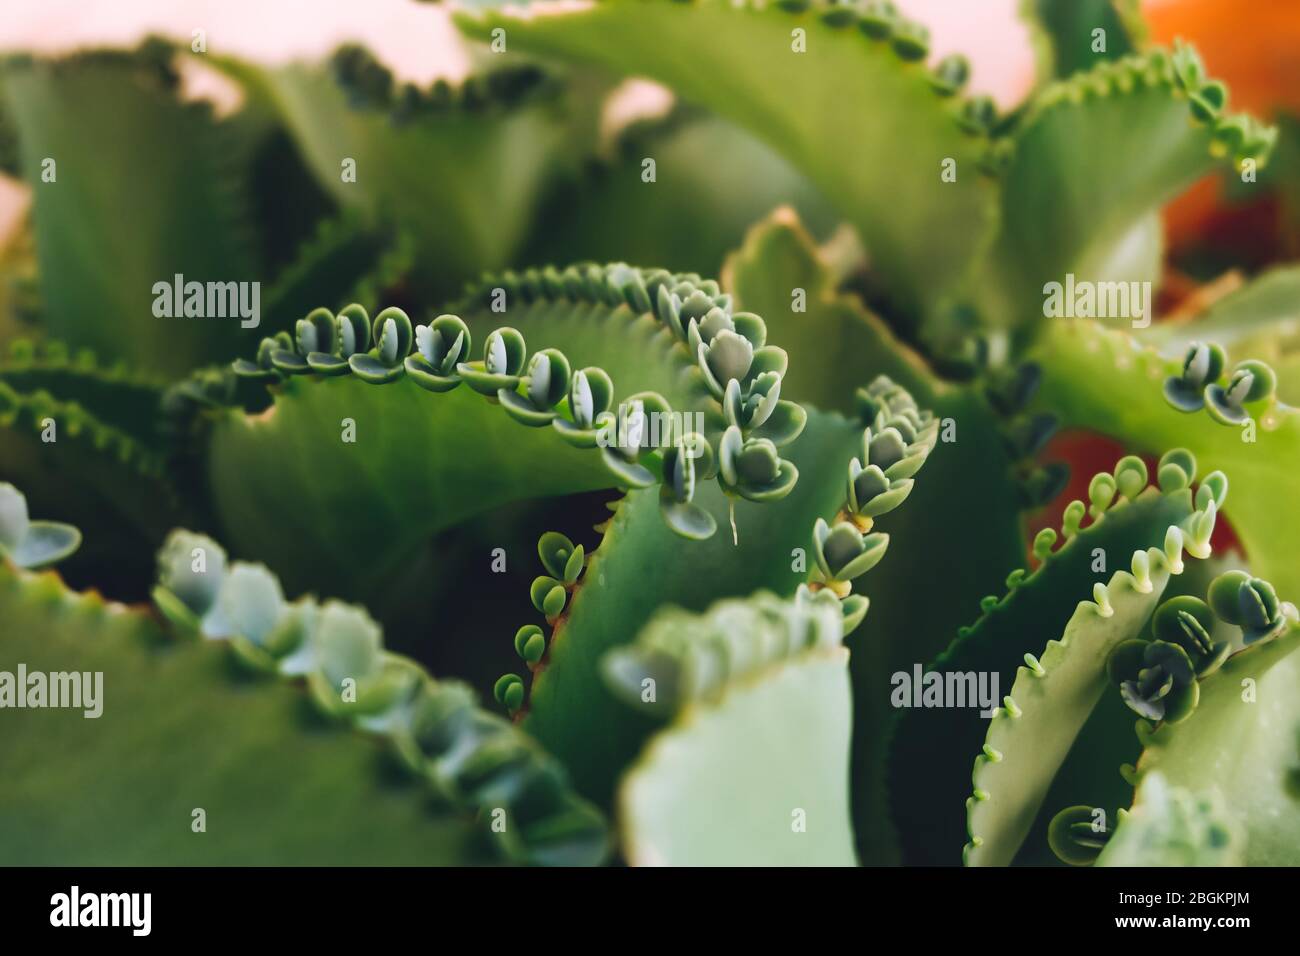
(506, 323)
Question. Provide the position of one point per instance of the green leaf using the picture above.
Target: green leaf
(1171, 826)
(179, 732)
(129, 153)
(848, 96)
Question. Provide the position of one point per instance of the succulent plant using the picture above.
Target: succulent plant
(822, 322)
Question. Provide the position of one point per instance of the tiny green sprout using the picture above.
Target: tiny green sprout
(751, 407)
(978, 115)
(871, 493)
(440, 347)
(350, 672)
(249, 604)
(548, 595)
(1208, 102)
(530, 643)
(262, 368)
(561, 558)
(625, 437)
(1044, 542)
(315, 333)
(191, 568)
(1176, 470)
(1072, 518)
(393, 336)
(1188, 622)
(351, 337)
(1200, 528)
(1101, 492)
(1251, 381)
(888, 450)
(1213, 490)
(911, 40)
(1074, 836)
(31, 544)
(844, 553)
(1189, 70)
(725, 357)
(1130, 476)
(591, 392)
(1156, 679)
(885, 398)
(878, 19)
(685, 464)
(545, 382)
(504, 353)
(752, 468)
(950, 74)
(1249, 603)
(1244, 137)
(1202, 365)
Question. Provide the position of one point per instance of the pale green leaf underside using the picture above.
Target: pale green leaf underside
(865, 127)
(182, 730)
(1171, 826)
(758, 779)
(693, 214)
(1248, 752)
(1100, 380)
